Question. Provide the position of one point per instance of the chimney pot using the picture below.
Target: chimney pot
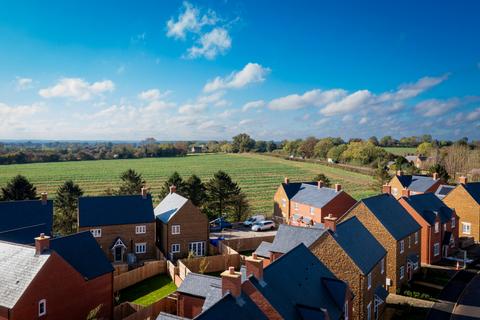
(387, 189)
(231, 270)
(254, 256)
(435, 176)
(144, 192)
(286, 180)
(338, 187)
(42, 243)
(44, 197)
(463, 180)
(399, 173)
(173, 189)
(320, 184)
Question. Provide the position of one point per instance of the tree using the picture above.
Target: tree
(387, 141)
(241, 207)
(195, 190)
(291, 147)
(19, 188)
(425, 148)
(322, 147)
(381, 176)
(335, 153)
(442, 172)
(66, 204)
(174, 180)
(221, 191)
(374, 140)
(242, 143)
(260, 146)
(307, 147)
(132, 183)
(324, 178)
(271, 146)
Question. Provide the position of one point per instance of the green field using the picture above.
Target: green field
(149, 290)
(401, 151)
(258, 175)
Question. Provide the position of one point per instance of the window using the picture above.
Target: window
(402, 246)
(175, 248)
(369, 280)
(436, 249)
(369, 310)
(395, 191)
(296, 206)
(284, 202)
(466, 227)
(452, 241)
(382, 264)
(140, 247)
(402, 272)
(437, 227)
(444, 227)
(97, 233)
(409, 241)
(312, 210)
(140, 229)
(198, 248)
(416, 237)
(42, 307)
(453, 222)
(345, 310)
(176, 229)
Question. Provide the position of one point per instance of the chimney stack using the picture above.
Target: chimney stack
(42, 243)
(330, 222)
(387, 189)
(435, 176)
(320, 184)
(286, 180)
(399, 173)
(144, 192)
(462, 180)
(232, 282)
(338, 187)
(254, 266)
(44, 198)
(405, 192)
(173, 189)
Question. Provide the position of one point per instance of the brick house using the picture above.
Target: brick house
(313, 293)
(439, 225)
(193, 292)
(22, 221)
(417, 184)
(396, 230)
(61, 278)
(124, 226)
(465, 200)
(307, 203)
(181, 227)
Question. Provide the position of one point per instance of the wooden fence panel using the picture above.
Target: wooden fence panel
(151, 312)
(149, 269)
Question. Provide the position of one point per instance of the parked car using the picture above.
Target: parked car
(219, 224)
(263, 225)
(252, 220)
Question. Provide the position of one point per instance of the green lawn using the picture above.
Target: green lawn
(148, 291)
(401, 151)
(258, 175)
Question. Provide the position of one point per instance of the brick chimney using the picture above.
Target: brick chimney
(405, 192)
(399, 173)
(144, 192)
(254, 266)
(44, 197)
(387, 189)
(286, 180)
(231, 281)
(338, 187)
(42, 243)
(462, 180)
(330, 222)
(173, 189)
(320, 184)
(435, 176)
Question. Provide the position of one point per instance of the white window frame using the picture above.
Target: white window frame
(141, 229)
(284, 202)
(96, 233)
(295, 205)
(174, 247)
(395, 191)
(402, 272)
(176, 229)
(465, 226)
(382, 266)
(197, 246)
(437, 227)
(312, 210)
(140, 247)
(44, 303)
(346, 310)
(436, 249)
(402, 246)
(369, 310)
(409, 241)
(416, 237)
(369, 281)
(453, 222)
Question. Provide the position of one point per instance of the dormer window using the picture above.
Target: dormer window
(42, 307)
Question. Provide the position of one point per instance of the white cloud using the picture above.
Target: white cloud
(192, 108)
(190, 20)
(77, 89)
(153, 94)
(411, 90)
(436, 107)
(474, 115)
(251, 73)
(212, 98)
(23, 83)
(322, 121)
(315, 97)
(253, 105)
(363, 120)
(12, 115)
(211, 44)
(245, 122)
(347, 104)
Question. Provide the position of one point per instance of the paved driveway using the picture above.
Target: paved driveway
(239, 231)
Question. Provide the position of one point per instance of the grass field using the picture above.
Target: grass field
(401, 151)
(149, 290)
(258, 175)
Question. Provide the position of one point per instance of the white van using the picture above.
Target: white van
(254, 219)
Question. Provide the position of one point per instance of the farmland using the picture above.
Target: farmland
(257, 175)
(401, 151)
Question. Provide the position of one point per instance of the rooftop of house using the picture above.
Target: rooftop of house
(429, 206)
(264, 249)
(169, 206)
(309, 193)
(473, 189)
(443, 190)
(235, 308)
(22, 221)
(416, 183)
(398, 222)
(199, 285)
(288, 237)
(114, 210)
(168, 316)
(360, 245)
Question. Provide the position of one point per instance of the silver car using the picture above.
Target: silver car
(263, 225)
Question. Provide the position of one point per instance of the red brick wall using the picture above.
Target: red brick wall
(67, 294)
(280, 213)
(467, 209)
(189, 306)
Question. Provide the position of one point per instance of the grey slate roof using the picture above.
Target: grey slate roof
(114, 210)
(169, 207)
(360, 245)
(443, 190)
(313, 196)
(417, 183)
(168, 316)
(398, 222)
(22, 221)
(18, 265)
(288, 237)
(196, 284)
(474, 189)
(213, 296)
(264, 249)
(429, 206)
(228, 307)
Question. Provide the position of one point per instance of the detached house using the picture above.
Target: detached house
(181, 227)
(22, 221)
(396, 230)
(124, 226)
(416, 184)
(307, 203)
(439, 225)
(61, 278)
(465, 200)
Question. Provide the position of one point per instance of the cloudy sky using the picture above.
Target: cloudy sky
(211, 69)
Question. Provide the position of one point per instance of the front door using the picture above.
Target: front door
(118, 254)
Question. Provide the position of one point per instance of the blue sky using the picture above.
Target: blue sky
(211, 69)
